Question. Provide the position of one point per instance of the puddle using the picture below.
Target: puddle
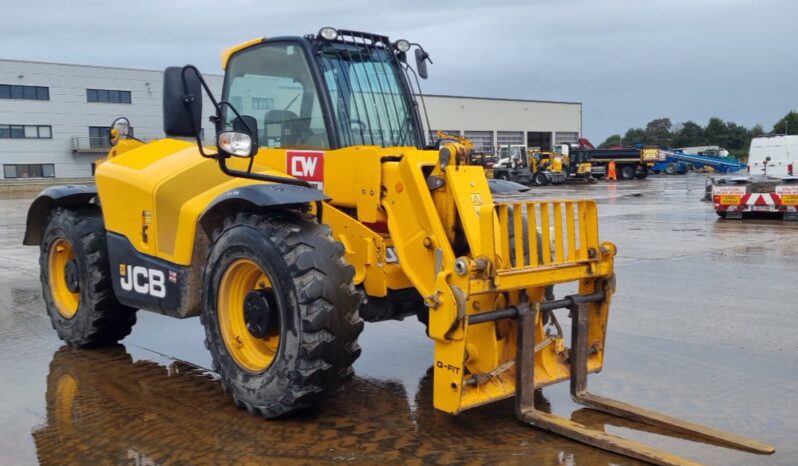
(702, 327)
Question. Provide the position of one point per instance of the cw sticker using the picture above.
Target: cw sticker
(306, 165)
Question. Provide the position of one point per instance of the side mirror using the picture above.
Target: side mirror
(421, 63)
(249, 125)
(182, 102)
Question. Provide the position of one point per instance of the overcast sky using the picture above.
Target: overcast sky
(627, 61)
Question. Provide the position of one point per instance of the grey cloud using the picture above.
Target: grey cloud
(628, 61)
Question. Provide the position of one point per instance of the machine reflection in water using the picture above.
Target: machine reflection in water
(104, 407)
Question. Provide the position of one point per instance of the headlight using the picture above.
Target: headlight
(234, 143)
(402, 45)
(328, 33)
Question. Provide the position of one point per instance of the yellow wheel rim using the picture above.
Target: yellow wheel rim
(66, 301)
(65, 392)
(250, 352)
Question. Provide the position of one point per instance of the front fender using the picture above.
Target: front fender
(49, 199)
(257, 196)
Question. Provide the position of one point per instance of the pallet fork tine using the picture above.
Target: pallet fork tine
(525, 409)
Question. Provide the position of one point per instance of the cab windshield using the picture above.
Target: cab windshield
(370, 103)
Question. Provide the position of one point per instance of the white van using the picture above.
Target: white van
(773, 156)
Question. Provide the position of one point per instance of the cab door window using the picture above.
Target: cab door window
(273, 84)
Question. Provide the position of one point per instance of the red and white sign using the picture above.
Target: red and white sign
(728, 190)
(306, 165)
(759, 202)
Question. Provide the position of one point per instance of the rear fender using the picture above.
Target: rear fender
(51, 198)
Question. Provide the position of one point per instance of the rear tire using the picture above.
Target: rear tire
(671, 169)
(313, 304)
(76, 280)
(627, 172)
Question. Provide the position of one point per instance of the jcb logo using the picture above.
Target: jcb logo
(143, 280)
(306, 165)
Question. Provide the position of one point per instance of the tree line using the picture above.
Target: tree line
(661, 132)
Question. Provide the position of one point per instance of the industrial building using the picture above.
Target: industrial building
(490, 122)
(55, 118)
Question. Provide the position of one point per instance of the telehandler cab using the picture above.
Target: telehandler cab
(320, 207)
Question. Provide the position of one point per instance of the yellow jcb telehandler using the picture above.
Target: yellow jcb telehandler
(322, 206)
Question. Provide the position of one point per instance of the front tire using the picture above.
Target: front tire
(281, 313)
(76, 280)
(539, 179)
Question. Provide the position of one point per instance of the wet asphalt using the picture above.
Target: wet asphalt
(703, 326)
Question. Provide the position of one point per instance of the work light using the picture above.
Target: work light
(402, 45)
(328, 33)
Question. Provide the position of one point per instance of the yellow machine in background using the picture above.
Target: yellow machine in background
(574, 165)
(321, 207)
(486, 161)
(521, 165)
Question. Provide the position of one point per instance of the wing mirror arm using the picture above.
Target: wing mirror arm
(259, 176)
(188, 100)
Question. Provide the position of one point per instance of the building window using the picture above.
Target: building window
(26, 132)
(262, 103)
(108, 96)
(99, 136)
(29, 170)
(16, 91)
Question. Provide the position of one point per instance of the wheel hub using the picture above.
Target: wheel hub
(259, 311)
(71, 276)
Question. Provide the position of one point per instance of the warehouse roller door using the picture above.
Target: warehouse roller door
(509, 138)
(482, 140)
(539, 139)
